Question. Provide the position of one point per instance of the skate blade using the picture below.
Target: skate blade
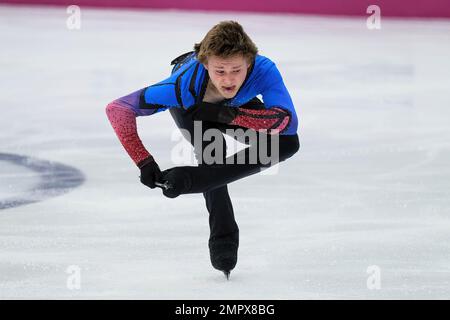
(166, 185)
(227, 274)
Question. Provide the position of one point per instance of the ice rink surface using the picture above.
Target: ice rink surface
(366, 200)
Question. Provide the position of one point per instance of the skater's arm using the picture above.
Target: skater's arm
(274, 120)
(122, 114)
(123, 121)
(252, 115)
(276, 96)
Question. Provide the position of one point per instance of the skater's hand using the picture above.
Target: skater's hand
(214, 112)
(150, 172)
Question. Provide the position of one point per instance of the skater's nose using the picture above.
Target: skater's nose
(229, 81)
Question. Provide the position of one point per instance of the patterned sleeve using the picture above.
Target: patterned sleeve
(123, 121)
(277, 113)
(275, 120)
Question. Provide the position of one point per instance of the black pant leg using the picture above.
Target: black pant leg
(218, 203)
(242, 164)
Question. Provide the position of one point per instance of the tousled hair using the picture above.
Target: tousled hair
(225, 40)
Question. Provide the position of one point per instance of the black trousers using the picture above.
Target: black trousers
(212, 178)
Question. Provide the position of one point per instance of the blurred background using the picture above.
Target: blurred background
(398, 8)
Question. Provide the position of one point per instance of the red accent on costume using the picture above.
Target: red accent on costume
(263, 119)
(123, 121)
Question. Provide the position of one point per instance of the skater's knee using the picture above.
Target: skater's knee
(289, 145)
(294, 144)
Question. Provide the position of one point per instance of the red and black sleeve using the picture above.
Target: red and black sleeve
(274, 120)
(253, 115)
(123, 121)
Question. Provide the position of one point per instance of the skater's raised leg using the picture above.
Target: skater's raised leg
(205, 178)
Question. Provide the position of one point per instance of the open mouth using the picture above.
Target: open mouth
(229, 89)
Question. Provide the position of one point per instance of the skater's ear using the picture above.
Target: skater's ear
(205, 64)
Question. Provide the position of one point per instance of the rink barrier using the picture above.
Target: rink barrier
(392, 8)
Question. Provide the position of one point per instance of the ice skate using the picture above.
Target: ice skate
(223, 253)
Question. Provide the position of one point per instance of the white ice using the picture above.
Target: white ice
(370, 185)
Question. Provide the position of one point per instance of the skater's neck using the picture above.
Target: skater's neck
(212, 95)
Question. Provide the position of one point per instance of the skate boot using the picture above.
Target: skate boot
(175, 181)
(223, 252)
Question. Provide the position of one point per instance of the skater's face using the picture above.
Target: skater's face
(227, 74)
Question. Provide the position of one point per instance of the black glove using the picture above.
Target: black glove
(206, 111)
(150, 172)
(179, 181)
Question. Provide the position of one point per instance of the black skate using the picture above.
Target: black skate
(223, 253)
(163, 185)
(175, 181)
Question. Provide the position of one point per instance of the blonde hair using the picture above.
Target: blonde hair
(225, 40)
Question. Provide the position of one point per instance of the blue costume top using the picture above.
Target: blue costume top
(187, 85)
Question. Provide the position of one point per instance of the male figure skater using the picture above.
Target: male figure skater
(214, 87)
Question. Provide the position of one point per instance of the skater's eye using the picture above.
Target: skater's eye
(222, 72)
